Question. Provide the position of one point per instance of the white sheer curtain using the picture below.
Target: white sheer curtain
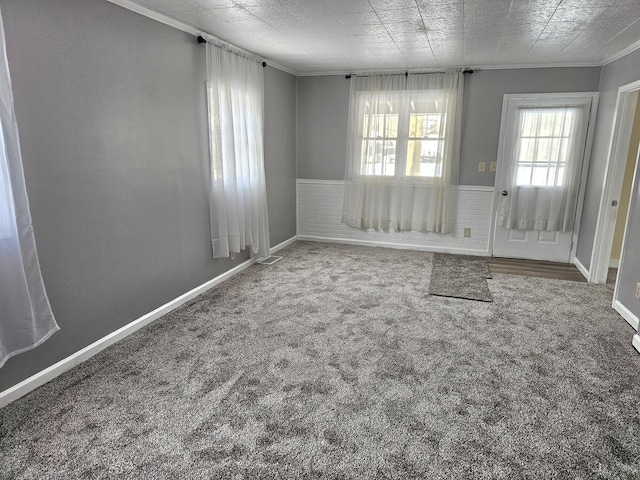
(403, 151)
(545, 175)
(26, 319)
(239, 217)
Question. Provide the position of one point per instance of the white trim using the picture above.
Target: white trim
(57, 369)
(467, 188)
(319, 73)
(612, 183)
(626, 314)
(397, 246)
(636, 342)
(319, 182)
(614, 263)
(623, 248)
(475, 188)
(583, 270)
(622, 53)
(284, 244)
(177, 24)
(158, 17)
(172, 22)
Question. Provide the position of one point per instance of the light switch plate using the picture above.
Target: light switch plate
(467, 232)
(493, 166)
(482, 166)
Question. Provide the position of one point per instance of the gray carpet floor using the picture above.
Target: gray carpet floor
(336, 363)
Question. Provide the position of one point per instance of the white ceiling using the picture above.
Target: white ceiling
(338, 36)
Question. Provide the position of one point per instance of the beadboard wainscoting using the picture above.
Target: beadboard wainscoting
(320, 218)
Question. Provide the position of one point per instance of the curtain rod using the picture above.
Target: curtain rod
(201, 40)
(406, 74)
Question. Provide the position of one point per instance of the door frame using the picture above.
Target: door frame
(612, 183)
(595, 97)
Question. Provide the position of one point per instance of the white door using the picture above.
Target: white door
(541, 158)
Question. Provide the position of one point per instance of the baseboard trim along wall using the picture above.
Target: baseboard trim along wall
(57, 369)
(398, 246)
(636, 342)
(583, 270)
(626, 314)
(319, 218)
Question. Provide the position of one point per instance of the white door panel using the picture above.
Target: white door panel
(540, 164)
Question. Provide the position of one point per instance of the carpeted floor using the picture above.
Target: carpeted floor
(336, 363)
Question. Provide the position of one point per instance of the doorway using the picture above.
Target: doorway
(619, 153)
(544, 146)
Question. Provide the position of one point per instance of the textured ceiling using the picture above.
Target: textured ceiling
(313, 36)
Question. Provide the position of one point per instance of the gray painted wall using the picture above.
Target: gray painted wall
(280, 152)
(629, 274)
(614, 75)
(323, 110)
(111, 112)
(323, 104)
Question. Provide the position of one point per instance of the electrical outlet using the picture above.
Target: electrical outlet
(232, 256)
(482, 166)
(638, 291)
(493, 166)
(467, 233)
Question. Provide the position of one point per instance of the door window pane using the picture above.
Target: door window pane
(543, 145)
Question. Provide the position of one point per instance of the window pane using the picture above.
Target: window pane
(523, 175)
(527, 150)
(539, 177)
(378, 157)
(528, 125)
(424, 158)
(549, 122)
(544, 150)
(391, 126)
(543, 146)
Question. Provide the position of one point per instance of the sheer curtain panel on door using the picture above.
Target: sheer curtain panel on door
(26, 319)
(235, 91)
(545, 176)
(403, 151)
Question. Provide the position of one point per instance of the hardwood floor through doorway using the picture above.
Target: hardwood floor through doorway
(535, 268)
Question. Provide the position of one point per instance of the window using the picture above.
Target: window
(544, 145)
(403, 134)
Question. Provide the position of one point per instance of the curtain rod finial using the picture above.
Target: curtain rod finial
(201, 39)
(347, 76)
(264, 64)
(468, 70)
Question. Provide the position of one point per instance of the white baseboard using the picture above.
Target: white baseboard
(636, 342)
(284, 244)
(583, 270)
(399, 246)
(626, 314)
(49, 373)
(614, 263)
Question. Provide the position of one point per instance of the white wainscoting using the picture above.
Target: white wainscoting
(319, 210)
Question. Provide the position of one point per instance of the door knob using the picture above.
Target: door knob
(504, 193)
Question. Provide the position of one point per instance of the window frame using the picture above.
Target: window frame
(403, 99)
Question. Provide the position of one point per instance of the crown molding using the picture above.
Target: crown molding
(172, 22)
(177, 24)
(622, 53)
(439, 69)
